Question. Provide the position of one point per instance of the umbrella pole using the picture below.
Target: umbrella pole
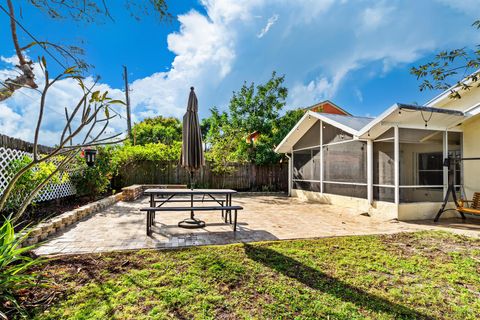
(192, 214)
(191, 223)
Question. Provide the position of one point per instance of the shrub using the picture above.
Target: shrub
(29, 180)
(151, 151)
(14, 264)
(93, 181)
(157, 130)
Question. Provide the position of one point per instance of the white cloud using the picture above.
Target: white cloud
(376, 16)
(469, 7)
(271, 21)
(204, 51)
(358, 94)
(317, 90)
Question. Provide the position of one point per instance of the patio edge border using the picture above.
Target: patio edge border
(56, 224)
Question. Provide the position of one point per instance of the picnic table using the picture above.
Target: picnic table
(220, 198)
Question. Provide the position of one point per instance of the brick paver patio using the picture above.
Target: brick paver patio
(122, 226)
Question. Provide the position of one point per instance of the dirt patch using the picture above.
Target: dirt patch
(439, 243)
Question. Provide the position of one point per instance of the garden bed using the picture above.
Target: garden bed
(49, 209)
(410, 275)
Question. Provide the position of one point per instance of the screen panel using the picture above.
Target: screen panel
(346, 162)
(333, 134)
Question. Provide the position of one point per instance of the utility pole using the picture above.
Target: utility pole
(127, 100)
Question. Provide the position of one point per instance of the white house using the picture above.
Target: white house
(390, 165)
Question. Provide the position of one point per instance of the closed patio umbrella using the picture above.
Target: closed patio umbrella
(192, 151)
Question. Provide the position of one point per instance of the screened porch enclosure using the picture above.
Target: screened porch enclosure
(329, 160)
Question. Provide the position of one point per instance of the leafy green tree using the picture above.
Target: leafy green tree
(284, 124)
(251, 109)
(257, 108)
(157, 130)
(448, 69)
(221, 141)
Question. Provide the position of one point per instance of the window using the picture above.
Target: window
(430, 169)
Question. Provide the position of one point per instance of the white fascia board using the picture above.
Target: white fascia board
(318, 116)
(291, 131)
(473, 110)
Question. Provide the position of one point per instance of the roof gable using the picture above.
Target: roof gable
(328, 107)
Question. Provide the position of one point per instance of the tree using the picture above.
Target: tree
(221, 141)
(284, 124)
(257, 108)
(157, 129)
(78, 10)
(451, 70)
(251, 109)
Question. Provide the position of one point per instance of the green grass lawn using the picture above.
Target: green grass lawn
(405, 276)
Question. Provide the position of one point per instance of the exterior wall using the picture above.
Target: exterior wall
(326, 198)
(380, 209)
(327, 107)
(471, 148)
(471, 133)
(386, 210)
(423, 211)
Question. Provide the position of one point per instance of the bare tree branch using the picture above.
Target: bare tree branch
(27, 77)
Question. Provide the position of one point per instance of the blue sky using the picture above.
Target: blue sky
(355, 53)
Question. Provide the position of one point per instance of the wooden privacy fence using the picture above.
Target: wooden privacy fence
(241, 177)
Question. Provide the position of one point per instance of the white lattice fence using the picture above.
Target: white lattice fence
(50, 192)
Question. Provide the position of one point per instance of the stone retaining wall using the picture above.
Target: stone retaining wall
(135, 191)
(58, 223)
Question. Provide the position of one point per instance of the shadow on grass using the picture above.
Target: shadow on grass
(322, 282)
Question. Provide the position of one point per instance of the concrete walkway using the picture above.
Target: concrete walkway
(122, 226)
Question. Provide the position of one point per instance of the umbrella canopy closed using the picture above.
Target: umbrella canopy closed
(192, 148)
(192, 152)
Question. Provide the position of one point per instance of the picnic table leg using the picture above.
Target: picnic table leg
(226, 211)
(152, 204)
(223, 204)
(235, 223)
(230, 211)
(148, 223)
